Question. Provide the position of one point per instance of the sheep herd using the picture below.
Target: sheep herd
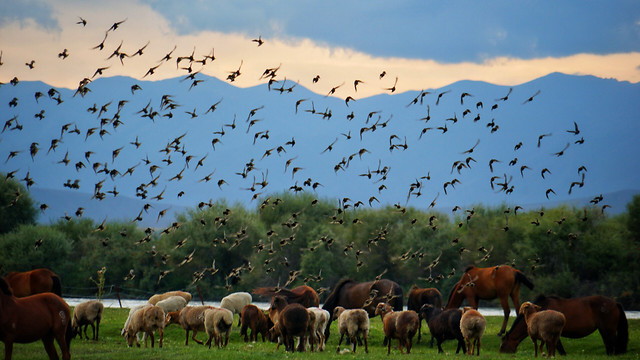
(284, 322)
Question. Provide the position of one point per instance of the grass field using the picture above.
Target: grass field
(112, 346)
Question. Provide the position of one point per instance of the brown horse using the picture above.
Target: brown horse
(584, 315)
(500, 282)
(420, 296)
(42, 316)
(303, 295)
(365, 295)
(34, 282)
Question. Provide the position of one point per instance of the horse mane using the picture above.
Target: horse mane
(266, 291)
(5, 288)
(451, 293)
(519, 319)
(542, 299)
(469, 267)
(332, 300)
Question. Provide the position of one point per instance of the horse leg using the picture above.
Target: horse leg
(61, 338)
(49, 347)
(8, 350)
(504, 302)
(609, 339)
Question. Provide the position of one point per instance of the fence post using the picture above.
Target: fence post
(118, 295)
(200, 294)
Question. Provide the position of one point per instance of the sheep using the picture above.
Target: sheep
(352, 322)
(419, 296)
(191, 318)
(131, 312)
(251, 317)
(322, 318)
(87, 313)
(158, 297)
(472, 326)
(444, 325)
(147, 320)
(401, 325)
(172, 303)
(236, 302)
(293, 321)
(543, 325)
(218, 323)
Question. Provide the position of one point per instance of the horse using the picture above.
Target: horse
(365, 295)
(584, 316)
(418, 297)
(303, 295)
(34, 282)
(489, 283)
(41, 316)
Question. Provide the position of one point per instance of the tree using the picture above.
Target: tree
(16, 206)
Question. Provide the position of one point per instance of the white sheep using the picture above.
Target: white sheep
(218, 323)
(353, 322)
(147, 319)
(158, 297)
(172, 303)
(321, 320)
(235, 302)
(87, 313)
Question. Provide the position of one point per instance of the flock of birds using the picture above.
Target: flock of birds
(106, 118)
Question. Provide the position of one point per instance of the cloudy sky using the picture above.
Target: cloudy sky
(425, 44)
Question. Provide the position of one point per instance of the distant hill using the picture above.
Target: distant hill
(394, 148)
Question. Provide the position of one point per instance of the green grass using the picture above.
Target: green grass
(112, 346)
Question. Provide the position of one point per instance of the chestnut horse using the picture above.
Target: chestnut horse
(419, 296)
(34, 282)
(365, 295)
(42, 316)
(303, 295)
(500, 282)
(584, 315)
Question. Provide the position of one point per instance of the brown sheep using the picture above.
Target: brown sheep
(472, 326)
(293, 321)
(218, 323)
(87, 313)
(191, 318)
(401, 325)
(158, 297)
(353, 322)
(543, 325)
(147, 320)
(254, 319)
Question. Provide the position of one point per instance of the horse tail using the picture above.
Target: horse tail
(520, 277)
(622, 336)
(56, 288)
(68, 335)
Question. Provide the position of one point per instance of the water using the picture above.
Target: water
(128, 303)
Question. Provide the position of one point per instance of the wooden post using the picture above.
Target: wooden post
(200, 294)
(118, 295)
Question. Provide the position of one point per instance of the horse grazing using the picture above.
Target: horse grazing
(489, 283)
(417, 297)
(365, 295)
(41, 316)
(584, 316)
(303, 295)
(34, 282)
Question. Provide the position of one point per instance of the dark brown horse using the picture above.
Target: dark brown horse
(34, 282)
(420, 296)
(584, 316)
(303, 295)
(500, 282)
(365, 295)
(42, 316)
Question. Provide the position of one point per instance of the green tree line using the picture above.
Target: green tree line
(294, 239)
